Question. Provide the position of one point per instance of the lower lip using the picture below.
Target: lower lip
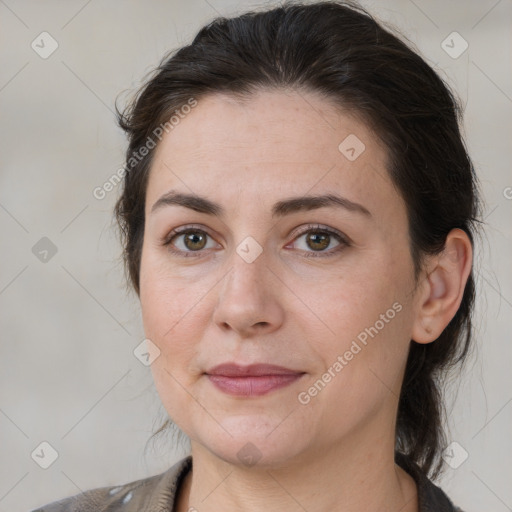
(252, 386)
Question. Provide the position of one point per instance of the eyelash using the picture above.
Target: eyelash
(310, 228)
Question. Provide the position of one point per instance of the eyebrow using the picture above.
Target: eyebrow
(280, 209)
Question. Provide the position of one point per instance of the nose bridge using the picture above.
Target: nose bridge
(248, 267)
(245, 299)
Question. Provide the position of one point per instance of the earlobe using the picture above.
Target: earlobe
(443, 289)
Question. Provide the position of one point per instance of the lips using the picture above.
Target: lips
(252, 370)
(252, 380)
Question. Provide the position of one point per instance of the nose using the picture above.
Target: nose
(249, 298)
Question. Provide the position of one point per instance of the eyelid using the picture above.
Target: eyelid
(164, 240)
(320, 227)
(343, 241)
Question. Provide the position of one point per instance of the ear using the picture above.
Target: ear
(442, 288)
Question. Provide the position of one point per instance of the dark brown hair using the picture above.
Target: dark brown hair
(339, 50)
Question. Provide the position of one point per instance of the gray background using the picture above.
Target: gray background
(68, 327)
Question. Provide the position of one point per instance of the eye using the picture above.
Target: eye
(316, 239)
(191, 241)
(187, 240)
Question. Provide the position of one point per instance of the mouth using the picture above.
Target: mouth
(252, 380)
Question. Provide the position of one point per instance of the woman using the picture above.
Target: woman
(298, 217)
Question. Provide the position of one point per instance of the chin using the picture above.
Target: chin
(255, 442)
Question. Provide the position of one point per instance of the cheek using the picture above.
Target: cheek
(175, 312)
(171, 323)
(164, 299)
(355, 297)
(362, 369)
(366, 313)
(164, 307)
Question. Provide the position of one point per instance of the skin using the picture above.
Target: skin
(337, 451)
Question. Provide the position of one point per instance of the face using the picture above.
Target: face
(323, 288)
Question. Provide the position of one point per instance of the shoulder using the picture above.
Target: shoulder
(431, 498)
(155, 493)
(434, 499)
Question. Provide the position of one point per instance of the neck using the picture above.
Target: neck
(345, 479)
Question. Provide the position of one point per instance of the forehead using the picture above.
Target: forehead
(269, 145)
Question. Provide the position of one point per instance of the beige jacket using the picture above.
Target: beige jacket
(157, 494)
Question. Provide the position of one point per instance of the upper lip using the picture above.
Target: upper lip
(252, 370)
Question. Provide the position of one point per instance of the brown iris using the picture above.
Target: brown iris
(195, 240)
(318, 241)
